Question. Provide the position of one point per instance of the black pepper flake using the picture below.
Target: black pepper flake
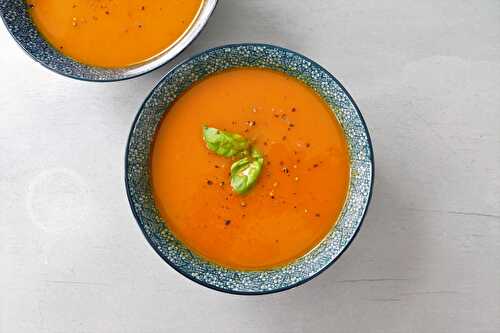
(294, 109)
(216, 166)
(106, 12)
(285, 170)
(142, 8)
(291, 125)
(317, 215)
(308, 145)
(227, 222)
(209, 182)
(315, 165)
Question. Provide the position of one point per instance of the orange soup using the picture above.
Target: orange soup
(302, 186)
(113, 33)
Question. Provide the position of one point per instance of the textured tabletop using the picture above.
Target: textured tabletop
(425, 74)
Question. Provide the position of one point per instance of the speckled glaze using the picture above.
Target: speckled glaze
(18, 22)
(138, 182)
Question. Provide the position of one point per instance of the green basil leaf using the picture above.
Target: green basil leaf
(245, 172)
(224, 143)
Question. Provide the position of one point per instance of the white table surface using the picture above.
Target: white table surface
(426, 75)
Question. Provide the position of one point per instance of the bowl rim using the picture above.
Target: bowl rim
(203, 283)
(175, 52)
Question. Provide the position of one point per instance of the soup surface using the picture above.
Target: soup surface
(112, 33)
(302, 187)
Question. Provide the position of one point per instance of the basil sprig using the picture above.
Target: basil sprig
(224, 143)
(246, 170)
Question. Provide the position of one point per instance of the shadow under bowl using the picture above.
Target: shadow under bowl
(137, 169)
(17, 19)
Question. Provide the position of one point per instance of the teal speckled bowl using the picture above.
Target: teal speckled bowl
(138, 185)
(15, 15)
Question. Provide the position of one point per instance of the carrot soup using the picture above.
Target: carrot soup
(250, 168)
(113, 33)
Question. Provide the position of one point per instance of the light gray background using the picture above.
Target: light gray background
(426, 75)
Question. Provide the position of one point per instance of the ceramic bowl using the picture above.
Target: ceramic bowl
(137, 177)
(18, 22)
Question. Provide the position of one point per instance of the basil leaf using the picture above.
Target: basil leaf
(245, 172)
(224, 143)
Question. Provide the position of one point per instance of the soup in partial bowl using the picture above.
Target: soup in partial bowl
(104, 40)
(249, 168)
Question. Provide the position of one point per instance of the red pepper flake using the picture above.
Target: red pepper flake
(284, 137)
(308, 145)
(227, 222)
(315, 165)
(216, 166)
(317, 215)
(106, 12)
(209, 182)
(291, 125)
(294, 109)
(142, 8)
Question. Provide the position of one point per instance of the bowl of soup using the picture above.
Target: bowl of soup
(104, 40)
(249, 169)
